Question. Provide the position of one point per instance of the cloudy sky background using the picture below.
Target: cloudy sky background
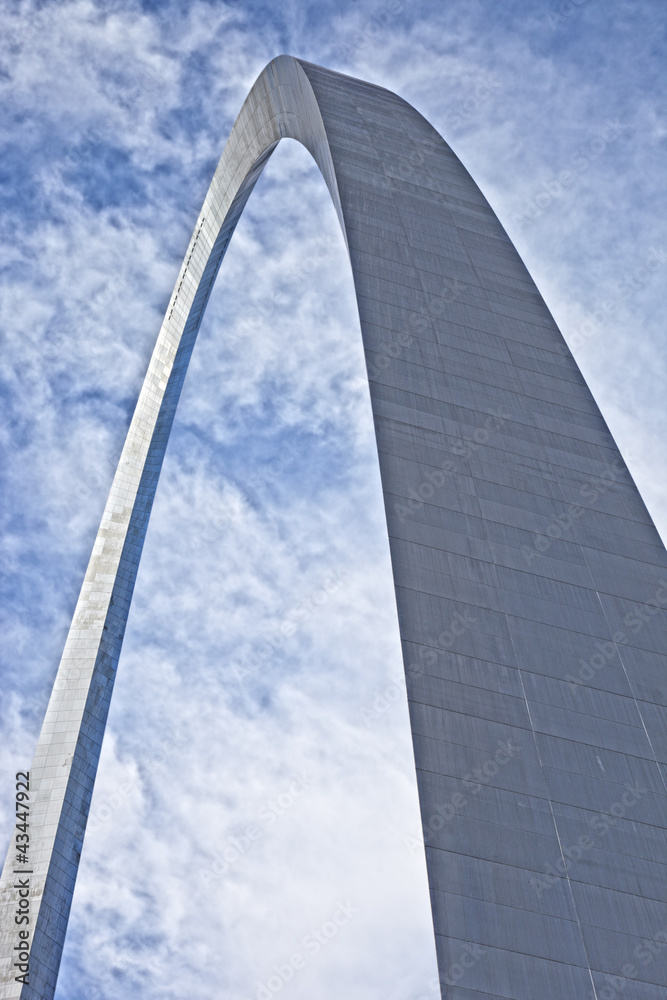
(269, 509)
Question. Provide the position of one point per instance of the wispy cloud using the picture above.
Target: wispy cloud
(114, 116)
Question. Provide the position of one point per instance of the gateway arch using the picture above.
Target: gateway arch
(531, 584)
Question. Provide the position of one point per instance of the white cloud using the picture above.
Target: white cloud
(247, 536)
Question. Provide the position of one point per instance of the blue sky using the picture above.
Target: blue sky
(268, 517)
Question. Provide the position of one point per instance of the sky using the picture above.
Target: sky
(256, 786)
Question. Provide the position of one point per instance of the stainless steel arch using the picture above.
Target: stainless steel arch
(488, 436)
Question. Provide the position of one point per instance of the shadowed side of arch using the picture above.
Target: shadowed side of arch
(485, 431)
